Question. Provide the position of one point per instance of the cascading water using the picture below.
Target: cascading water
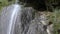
(8, 18)
(13, 18)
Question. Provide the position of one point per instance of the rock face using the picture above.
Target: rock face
(29, 25)
(50, 29)
(26, 17)
(36, 27)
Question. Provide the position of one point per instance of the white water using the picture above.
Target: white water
(8, 18)
(13, 17)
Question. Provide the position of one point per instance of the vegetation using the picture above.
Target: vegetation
(6, 3)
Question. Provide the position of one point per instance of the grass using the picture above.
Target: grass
(57, 20)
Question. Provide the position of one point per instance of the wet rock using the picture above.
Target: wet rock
(36, 27)
(26, 17)
(50, 29)
(30, 25)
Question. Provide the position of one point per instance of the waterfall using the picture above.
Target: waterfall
(13, 17)
(8, 18)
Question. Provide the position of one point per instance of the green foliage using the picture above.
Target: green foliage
(3, 3)
(57, 20)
